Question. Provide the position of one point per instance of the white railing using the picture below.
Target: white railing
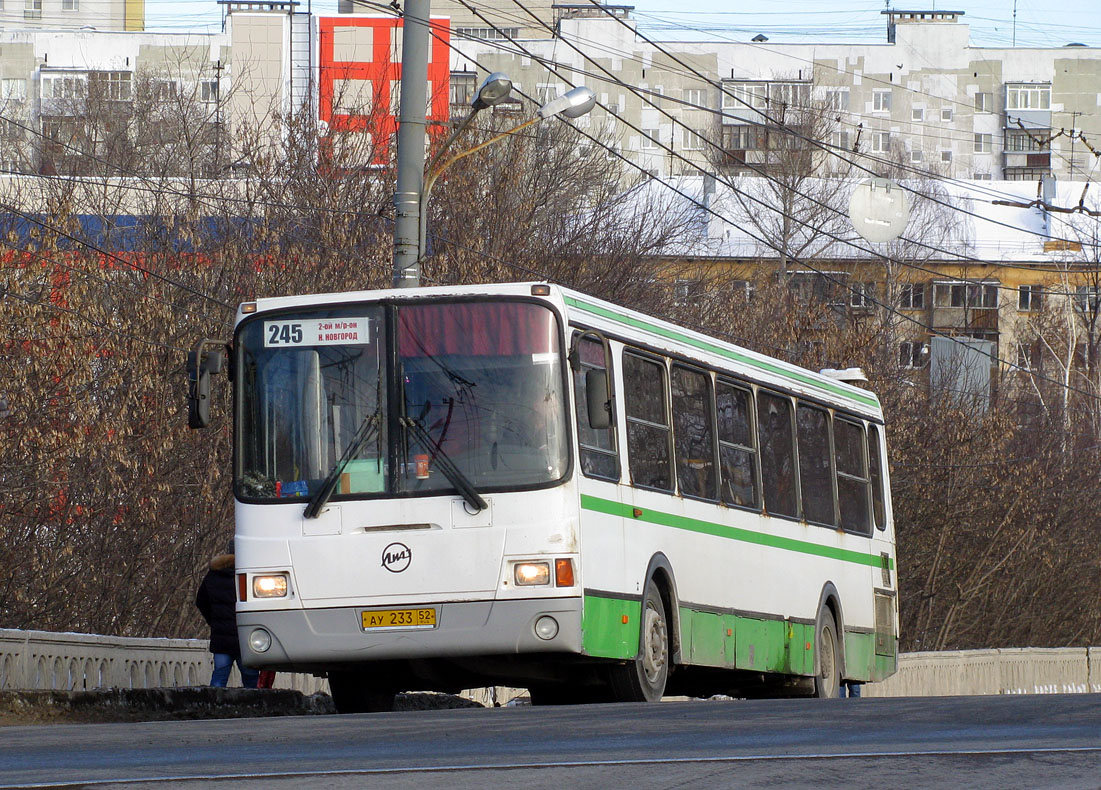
(46, 660)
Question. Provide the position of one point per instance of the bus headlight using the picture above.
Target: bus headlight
(259, 640)
(273, 586)
(532, 573)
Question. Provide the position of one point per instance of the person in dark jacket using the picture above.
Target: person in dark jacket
(217, 601)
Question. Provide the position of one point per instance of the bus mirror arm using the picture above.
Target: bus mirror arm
(200, 365)
(597, 400)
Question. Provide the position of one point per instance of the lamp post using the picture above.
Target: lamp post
(494, 89)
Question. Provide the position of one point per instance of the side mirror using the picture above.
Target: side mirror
(200, 365)
(597, 400)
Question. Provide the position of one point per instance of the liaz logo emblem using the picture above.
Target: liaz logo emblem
(396, 557)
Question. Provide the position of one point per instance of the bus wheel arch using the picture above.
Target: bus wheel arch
(660, 571)
(830, 616)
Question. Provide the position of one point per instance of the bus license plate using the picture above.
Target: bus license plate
(399, 618)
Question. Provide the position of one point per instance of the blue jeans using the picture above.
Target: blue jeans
(223, 663)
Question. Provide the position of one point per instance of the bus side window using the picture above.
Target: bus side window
(815, 465)
(875, 471)
(777, 454)
(648, 445)
(599, 456)
(852, 482)
(737, 456)
(693, 432)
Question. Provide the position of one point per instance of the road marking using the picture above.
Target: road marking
(560, 764)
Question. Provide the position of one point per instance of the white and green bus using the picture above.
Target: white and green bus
(455, 487)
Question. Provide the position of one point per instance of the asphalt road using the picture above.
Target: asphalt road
(972, 742)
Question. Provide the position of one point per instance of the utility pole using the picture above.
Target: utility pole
(411, 137)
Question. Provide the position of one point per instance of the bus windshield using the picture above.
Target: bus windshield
(479, 393)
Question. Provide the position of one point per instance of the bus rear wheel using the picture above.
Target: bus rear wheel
(643, 680)
(353, 692)
(827, 683)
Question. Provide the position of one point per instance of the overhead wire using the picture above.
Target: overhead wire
(825, 275)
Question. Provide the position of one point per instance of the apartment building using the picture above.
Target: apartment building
(73, 14)
(924, 97)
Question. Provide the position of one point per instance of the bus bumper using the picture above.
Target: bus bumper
(304, 639)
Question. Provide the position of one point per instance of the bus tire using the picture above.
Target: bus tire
(827, 681)
(643, 680)
(352, 692)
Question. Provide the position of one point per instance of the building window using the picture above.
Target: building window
(208, 90)
(984, 143)
(742, 137)
(837, 99)
(978, 296)
(1018, 140)
(840, 140)
(946, 115)
(911, 296)
(917, 155)
(695, 99)
(1024, 96)
(32, 9)
(692, 140)
(1026, 173)
(59, 86)
(739, 95)
(70, 5)
(984, 102)
(881, 101)
(1087, 298)
(488, 33)
(917, 114)
(111, 85)
(650, 139)
(461, 90)
(789, 94)
(13, 89)
(1030, 298)
(983, 176)
(862, 295)
(946, 156)
(913, 354)
(881, 142)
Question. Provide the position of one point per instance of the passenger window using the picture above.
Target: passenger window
(852, 482)
(693, 433)
(777, 454)
(648, 443)
(875, 470)
(737, 457)
(599, 456)
(815, 465)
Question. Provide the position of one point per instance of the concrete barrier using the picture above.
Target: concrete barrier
(79, 662)
(1017, 670)
(32, 660)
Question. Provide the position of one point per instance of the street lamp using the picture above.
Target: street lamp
(495, 89)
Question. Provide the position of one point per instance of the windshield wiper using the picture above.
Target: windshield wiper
(453, 473)
(367, 429)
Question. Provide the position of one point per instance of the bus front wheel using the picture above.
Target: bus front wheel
(643, 680)
(827, 683)
(353, 692)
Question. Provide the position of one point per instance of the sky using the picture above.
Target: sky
(1039, 23)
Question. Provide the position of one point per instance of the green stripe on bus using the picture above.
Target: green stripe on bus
(729, 641)
(672, 334)
(608, 507)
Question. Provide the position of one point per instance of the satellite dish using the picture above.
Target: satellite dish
(879, 209)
